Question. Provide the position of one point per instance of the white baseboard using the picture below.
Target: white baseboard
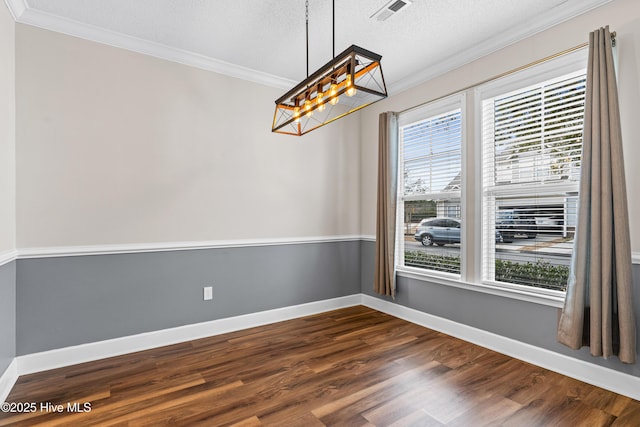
(606, 378)
(67, 356)
(8, 379)
(590, 373)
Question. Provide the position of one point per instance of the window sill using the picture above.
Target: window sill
(544, 297)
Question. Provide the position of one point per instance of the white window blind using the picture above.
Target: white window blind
(432, 156)
(431, 159)
(532, 142)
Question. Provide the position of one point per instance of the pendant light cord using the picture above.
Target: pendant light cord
(333, 28)
(333, 25)
(306, 15)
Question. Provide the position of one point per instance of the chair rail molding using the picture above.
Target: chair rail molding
(7, 256)
(127, 248)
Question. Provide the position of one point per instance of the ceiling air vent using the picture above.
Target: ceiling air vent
(391, 8)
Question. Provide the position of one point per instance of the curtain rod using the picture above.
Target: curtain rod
(508, 73)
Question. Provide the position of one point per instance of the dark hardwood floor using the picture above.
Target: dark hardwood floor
(349, 367)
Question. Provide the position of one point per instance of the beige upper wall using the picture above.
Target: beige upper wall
(623, 16)
(117, 147)
(7, 131)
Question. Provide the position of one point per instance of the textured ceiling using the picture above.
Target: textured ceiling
(268, 36)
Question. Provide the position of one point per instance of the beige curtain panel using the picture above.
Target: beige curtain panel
(385, 272)
(598, 310)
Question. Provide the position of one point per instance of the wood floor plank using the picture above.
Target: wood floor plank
(147, 409)
(249, 422)
(629, 417)
(352, 398)
(416, 419)
(611, 403)
(348, 367)
(489, 412)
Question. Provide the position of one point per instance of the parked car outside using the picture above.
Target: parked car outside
(511, 223)
(550, 224)
(441, 231)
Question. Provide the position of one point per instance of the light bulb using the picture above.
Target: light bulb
(307, 108)
(333, 94)
(319, 101)
(296, 114)
(351, 89)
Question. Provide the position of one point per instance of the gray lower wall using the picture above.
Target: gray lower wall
(66, 301)
(522, 321)
(74, 300)
(7, 315)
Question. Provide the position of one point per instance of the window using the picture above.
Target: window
(430, 187)
(509, 231)
(532, 142)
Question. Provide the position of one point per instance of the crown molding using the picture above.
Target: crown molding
(26, 15)
(93, 33)
(16, 8)
(544, 21)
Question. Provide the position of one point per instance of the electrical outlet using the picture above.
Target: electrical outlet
(208, 293)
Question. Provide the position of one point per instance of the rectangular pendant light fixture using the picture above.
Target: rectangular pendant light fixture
(350, 81)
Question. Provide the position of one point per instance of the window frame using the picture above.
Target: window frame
(424, 112)
(471, 195)
(566, 65)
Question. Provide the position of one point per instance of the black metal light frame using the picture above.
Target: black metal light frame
(349, 82)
